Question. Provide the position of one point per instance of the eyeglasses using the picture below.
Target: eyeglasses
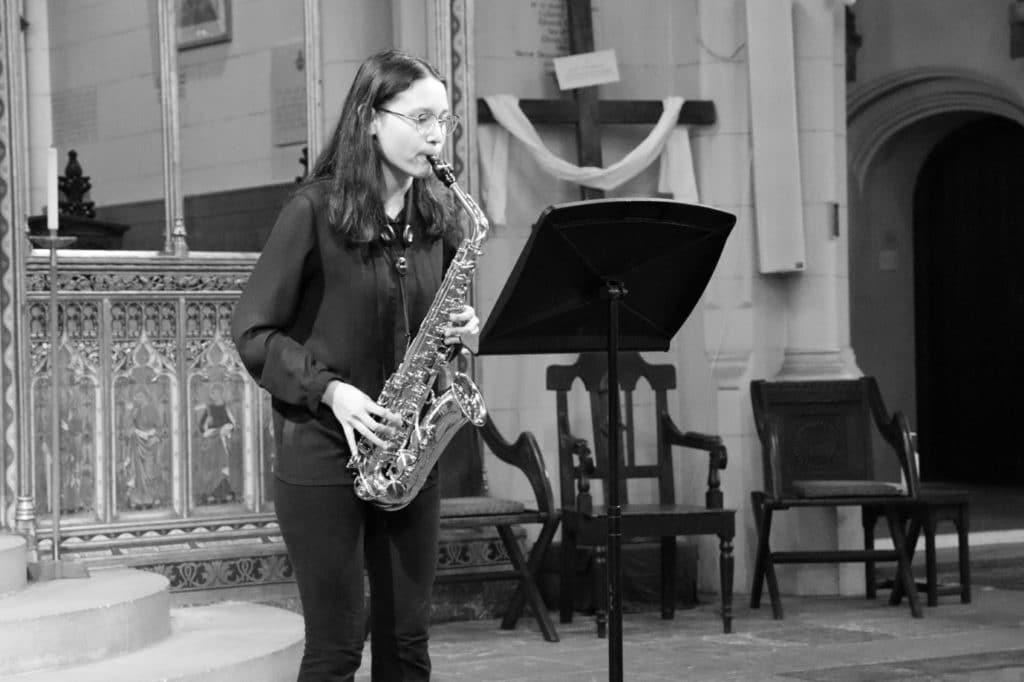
(425, 122)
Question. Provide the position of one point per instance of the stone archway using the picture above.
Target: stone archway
(881, 109)
(894, 123)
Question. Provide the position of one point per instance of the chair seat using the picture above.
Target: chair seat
(644, 509)
(652, 511)
(933, 506)
(899, 501)
(479, 506)
(653, 520)
(846, 488)
(936, 497)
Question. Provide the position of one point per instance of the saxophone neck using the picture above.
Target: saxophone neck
(473, 211)
(446, 175)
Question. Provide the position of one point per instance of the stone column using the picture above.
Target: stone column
(818, 333)
(722, 162)
(17, 499)
(818, 329)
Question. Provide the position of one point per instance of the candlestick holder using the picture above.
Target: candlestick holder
(55, 567)
(75, 187)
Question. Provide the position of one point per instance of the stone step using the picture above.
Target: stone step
(223, 642)
(13, 570)
(57, 623)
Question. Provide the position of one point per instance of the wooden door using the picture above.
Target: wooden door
(969, 300)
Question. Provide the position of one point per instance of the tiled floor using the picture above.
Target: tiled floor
(844, 639)
(822, 639)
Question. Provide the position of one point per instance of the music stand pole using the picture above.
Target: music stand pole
(614, 291)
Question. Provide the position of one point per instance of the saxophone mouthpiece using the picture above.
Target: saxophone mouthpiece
(442, 170)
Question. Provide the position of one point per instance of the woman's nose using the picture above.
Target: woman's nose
(435, 135)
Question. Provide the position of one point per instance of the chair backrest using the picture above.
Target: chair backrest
(823, 431)
(592, 370)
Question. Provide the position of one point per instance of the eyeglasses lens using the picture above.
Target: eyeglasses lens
(447, 124)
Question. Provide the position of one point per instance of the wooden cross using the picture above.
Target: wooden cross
(587, 112)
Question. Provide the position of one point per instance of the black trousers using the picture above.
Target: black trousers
(329, 532)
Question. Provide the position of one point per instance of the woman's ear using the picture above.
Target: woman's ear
(374, 118)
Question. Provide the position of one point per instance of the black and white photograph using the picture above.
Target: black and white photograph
(511, 340)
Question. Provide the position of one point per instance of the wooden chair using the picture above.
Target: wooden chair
(586, 524)
(504, 515)
(816, 439)
(934, 505)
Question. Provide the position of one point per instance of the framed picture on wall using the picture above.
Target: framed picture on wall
(203, 22)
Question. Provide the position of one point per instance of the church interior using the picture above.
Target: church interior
(779, 206)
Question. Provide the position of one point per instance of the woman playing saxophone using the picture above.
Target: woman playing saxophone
(349, 271)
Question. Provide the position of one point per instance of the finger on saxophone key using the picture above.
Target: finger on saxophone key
(384, 415)
(384, 431)
(369, 434)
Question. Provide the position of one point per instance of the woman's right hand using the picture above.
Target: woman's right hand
(355, 411)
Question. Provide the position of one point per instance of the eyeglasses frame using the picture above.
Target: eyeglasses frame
(442, 123)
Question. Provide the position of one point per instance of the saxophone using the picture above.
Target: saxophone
(391, 476)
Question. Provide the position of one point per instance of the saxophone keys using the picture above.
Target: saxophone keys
(396, 490)
(405, 460)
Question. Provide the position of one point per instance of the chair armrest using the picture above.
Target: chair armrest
(579, 448)
(718, 457)
(525, 455)
(707, 442)
(772, 457)
(896, 431)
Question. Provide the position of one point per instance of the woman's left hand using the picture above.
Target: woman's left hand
(463, 323)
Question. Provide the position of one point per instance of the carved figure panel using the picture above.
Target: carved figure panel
(218, 421)
(80, 432)
(147, 444)
(158, 420)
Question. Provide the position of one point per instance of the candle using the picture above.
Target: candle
(52, 212)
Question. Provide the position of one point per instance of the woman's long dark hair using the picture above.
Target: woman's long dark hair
(351, 164)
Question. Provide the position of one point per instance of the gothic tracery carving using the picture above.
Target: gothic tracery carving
(39, 281)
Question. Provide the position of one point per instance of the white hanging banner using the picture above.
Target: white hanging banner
(667, 139)
(778, 195)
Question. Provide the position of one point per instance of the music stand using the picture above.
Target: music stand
(607, 275)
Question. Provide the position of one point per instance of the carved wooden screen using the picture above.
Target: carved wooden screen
(159, 420)
(161, 431)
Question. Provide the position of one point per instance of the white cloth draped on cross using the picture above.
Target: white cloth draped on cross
(667, 139)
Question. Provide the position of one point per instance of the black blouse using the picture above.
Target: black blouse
(316, 309)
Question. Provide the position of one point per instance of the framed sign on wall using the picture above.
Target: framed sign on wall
(203, 22)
